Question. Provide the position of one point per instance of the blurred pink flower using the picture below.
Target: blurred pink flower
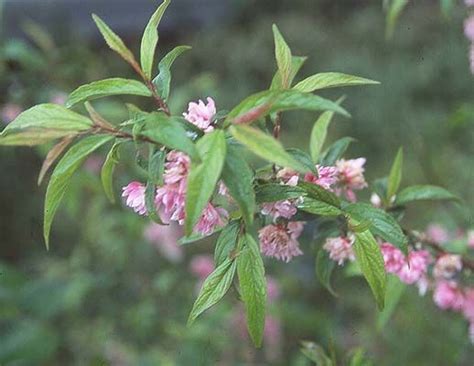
(165, 239)
(340, 249)
(169, 201)
(288, 176)
(176, 167)
(273, 289)
(448, 296)
(469, 28)
(471, 58)
(9, 112)
(93, 163)
(285, 209)
(469, 2)
(272, 337)
(447, 266)
(211, 218)
(470, 239)
(201, 266)
(351, 176)
(59, 98)
(375, 200)
(200, 114)
(280, 241)
(468, 305)
(135, 194)
(415, 267)
(327, 176)
(393, 258)
(437, 233)
(423, 284)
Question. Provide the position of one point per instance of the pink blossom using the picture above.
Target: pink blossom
(469, 28)
(201, 266)
(285, 209)
(340, 249)
(211, 218)
(165, 239)
(9, 112)
(416, 266)
(273, 289)
(437, 233)
(327, 176)
(469, 2)
(448, 296)
(393, 258)
(351, 176)
(135, 194)
(470, 239)
(170, 200)
(447, 266)
(468, 305)
(176, 167)
(280, 241)
(288, 176)
(200, 114)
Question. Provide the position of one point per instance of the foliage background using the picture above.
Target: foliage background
(103, 295)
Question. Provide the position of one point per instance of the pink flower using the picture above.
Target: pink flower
(176, 167)
(135, 194)
(469, 2)
(93, 164)
(59, 98)
(340, 249)
(9, 112)
(469, 28)
(416, 266)
(448, 296)
(285, 209)
(470, 239)
(327, 176)
(280, 241)
(437, 233)
(447, 266)
(201, 266)
(468, 305)
(375, 200)
(393, 258)
(165, 239)
(201, 114)
(288, 176)
(170, 200)
(211, 218)
(273, 289)
(351, 176)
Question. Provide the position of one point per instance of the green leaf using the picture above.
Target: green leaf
(296, 63)
(316, 353)
(156, 166)
(423, 192)
(272, 192)
(43, 123)
(330, 80)
(316, 207)
(394, 12)
(324, 268)
(253, 288)
(336, 150)
(303, 158)
(395, 290)
(395, 176)
(203, 177)
(163, 80)
(52, 156)
(383, 224)
(150, 39)
(214, 288)
(319, 193)
(369, 257)
(265, 146)
(238, 177)
(169, 132)
(62, 174)
(105, 88)
(114, 41)
(283, 57)
(150, 194)
(106, 174)
(226, 242)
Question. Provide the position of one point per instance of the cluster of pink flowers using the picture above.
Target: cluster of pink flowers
(340, 249)
(469, 33)
(281, 240)
(170, 198)
(165, 239)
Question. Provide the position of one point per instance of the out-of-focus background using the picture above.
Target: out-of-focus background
(114, 291)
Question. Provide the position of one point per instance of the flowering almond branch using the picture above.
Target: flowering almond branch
(198, 177)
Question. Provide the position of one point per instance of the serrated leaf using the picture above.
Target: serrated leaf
(105, 88)
(163, 80)
(150, 39)
(226, 242)
(107, 171)
(272, 192)
(395, 290)
(63, 172)
(382, 224)
(330, 80)
(319, 193)
(265, 146)
(296, 63)
(316, 207)
(43, 123)
(283, 57)
(253, 288)
(214, 288)
(52, 156)
(114, 41)
(423, 192)
(203, 176)
(369, 257)
(336, 150)
(303, 158)
(324, 268)
(395, 176)
(238, 178)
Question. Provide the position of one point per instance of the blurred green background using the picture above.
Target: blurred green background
(103, 295)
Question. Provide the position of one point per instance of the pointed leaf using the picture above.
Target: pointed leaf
(316, 207)
(283, 57)
(296, 63)
(423, 192)
(335, 151)
(226, 242)
(395, 290)
(52, 156)
(330, 80)
(395, 176)
(272, 192)
(303, 158)
(106, 174)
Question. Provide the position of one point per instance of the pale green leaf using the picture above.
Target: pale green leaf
(395, 176)
(106, 174)
(283, 57)
(316, 207)
(226, 242)
(395, 290)
(52, 156)
(330, 80)
(296, 64)
(423, 192)
(335, 151)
